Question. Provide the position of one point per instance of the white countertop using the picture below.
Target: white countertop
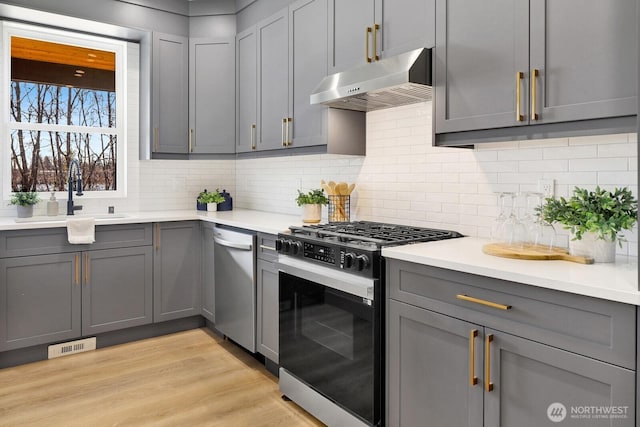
(265, 222)
(612, 281)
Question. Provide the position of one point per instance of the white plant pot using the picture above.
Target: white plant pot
(311, 213)
(24, 211)
(212, 207)
(601, 250)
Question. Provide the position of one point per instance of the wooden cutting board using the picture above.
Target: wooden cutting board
(533, 252)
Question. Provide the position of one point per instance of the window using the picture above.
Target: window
(66, 101)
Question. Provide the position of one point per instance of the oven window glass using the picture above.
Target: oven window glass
(326, 340)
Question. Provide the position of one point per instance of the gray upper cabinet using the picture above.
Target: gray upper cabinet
(170, 89)
(280, 61)
(586, 57)
(212, 96)
(405, 25)
(505, 64)
(480, 49)
(117, 289)
(363, 31)
(176, 268)
(351, 33)
(273, 81)
(40, 301)
(246, 90)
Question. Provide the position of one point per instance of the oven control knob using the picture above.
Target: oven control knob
(349, 259)
(296, 247)
(286, 245)
(362, 262)
(279, 244)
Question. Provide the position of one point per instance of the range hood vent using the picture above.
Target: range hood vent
(390, 82)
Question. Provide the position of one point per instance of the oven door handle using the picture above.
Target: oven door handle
(335, 279)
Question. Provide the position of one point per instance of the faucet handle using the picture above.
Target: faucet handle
(77, 207)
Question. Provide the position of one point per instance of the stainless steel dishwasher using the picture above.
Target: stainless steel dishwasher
(235, 285)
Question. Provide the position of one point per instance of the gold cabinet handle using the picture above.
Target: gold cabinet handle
(156, 137)
(86, 269)
(483, 302)
(488, 385)
(284, 125)
(519, 116)
(157, 236)
(252, 132)
(376, 28)
(534, 78)
(191, 140)
(473, 380)
(77, 269)
(288, 141)
(366, 44)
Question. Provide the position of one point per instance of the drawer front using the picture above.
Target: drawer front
(267, 247)
(600, 329)
(44, 241)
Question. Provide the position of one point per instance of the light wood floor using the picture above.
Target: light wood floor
(190, 379)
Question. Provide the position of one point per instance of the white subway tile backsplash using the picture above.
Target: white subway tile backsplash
(600, 164)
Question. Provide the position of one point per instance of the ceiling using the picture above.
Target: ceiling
(36, 50)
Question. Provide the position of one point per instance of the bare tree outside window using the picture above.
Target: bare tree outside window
(62, 109)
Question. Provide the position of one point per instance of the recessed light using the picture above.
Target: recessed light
(80, 71)
(92, 55)
(78, 74)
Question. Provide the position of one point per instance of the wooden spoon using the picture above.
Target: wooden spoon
(332, 187)
(350, 189)
(342, 189)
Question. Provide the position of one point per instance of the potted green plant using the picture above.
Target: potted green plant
(211, 199)
(24, 201)
(311, 203)
(595, 219)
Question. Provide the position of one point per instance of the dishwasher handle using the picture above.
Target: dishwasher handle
(234, 245)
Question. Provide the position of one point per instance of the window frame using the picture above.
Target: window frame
(119, 47)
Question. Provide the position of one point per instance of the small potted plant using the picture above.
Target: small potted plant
(24, 201)
(311, 203)
(211, 199)
(595, 220)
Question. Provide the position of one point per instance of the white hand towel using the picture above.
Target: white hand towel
(81, 231)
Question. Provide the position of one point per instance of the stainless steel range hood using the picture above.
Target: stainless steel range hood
(390, 82)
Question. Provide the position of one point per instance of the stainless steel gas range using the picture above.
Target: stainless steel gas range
(331, 286)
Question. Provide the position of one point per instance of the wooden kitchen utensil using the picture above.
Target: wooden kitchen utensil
(533, 252)
(351, 187)
(342, 189)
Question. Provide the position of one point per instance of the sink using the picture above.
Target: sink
(63, 218)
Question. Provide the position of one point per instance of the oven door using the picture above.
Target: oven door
(328, 334)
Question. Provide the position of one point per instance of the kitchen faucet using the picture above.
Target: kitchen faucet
(78, 181)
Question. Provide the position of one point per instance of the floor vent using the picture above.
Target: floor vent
(72, 347)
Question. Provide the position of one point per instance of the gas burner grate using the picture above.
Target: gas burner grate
(379, 233)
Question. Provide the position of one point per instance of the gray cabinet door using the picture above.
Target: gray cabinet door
(348, 24)
(267, 310)
(308, 61)
(208, 274)
(585, 52)
(246, 91)
(528, 377)
(212, 96)
(405, 25)
(480, 48)
(429, 369)
(170, 93)
(39, 300)
(273, 82)
(176, 270)
(117, 289)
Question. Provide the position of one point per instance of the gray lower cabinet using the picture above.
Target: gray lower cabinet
(506, 64)
(53, 291)
(454, 358)
(176, 270)
(170, 92)
(208, 273)
(267, 302)
(117, 289)
(40, 299)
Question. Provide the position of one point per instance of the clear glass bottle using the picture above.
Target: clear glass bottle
(52, 206)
